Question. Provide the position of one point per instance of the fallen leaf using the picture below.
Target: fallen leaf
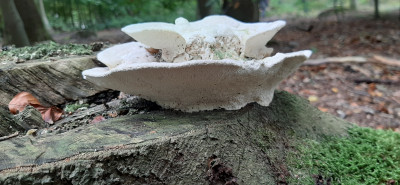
(354, 104)
(309, 92)
(153, 132)
(312, 98)
(380, 127)
(97, 119)
(371, 89)
(52, 114)
(323, 109)
(335, 90)
(20, 101)
(382, 107)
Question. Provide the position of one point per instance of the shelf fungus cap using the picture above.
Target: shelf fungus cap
(195, 66)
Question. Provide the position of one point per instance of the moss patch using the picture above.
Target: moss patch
(44, 50)
(367, 156)
(73, 107)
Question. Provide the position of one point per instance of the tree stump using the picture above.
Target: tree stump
(51, 82)
(247, 146)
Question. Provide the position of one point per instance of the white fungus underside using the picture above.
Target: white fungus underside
(201, 84)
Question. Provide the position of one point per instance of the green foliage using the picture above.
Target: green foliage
(102, 14)
(44, 50)
(366, 156)
(295, 8)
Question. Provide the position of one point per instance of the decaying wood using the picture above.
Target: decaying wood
(52, 82)
(249, 146)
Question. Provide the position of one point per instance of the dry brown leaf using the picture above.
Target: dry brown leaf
(323, 109)
(49, 114)
(152, 50)
(20, 101)
(382, 107)
(97, 119)
(52, 114)
(371, 89)
(309, 92)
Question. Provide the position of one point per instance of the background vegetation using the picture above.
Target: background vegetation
(67, 15)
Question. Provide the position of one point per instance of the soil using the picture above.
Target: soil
(367, 94)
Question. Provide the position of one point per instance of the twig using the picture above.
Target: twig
(9, 136)
(379, 81)
(355, 59)
(387, 61)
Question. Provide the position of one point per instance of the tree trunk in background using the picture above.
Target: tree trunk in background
(243, 10)
(202, 8)
(33, 24)
(42, 12)
(376, 4)
(353, 5)
(14, 32)
(305, 6)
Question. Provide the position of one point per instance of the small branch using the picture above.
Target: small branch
(9, 136)
(387, 61)
(354, 59)
(378, 81)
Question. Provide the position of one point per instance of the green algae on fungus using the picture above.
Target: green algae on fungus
(366, 156)
(45, 50)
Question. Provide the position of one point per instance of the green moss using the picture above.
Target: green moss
(45, 50)
(366, 156)
(74, 107)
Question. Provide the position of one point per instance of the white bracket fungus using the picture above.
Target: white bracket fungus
(213, 63)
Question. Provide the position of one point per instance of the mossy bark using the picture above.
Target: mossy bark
(170, 147)
(52, 82)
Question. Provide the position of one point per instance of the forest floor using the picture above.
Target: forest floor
(365, 93)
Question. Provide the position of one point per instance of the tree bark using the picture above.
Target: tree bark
(251, 145)
(52, 82)
(305, 6)
(32, 20)
(376, 12)
(43, 16)
(353, 5)
(243, 10)
(14, 31)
